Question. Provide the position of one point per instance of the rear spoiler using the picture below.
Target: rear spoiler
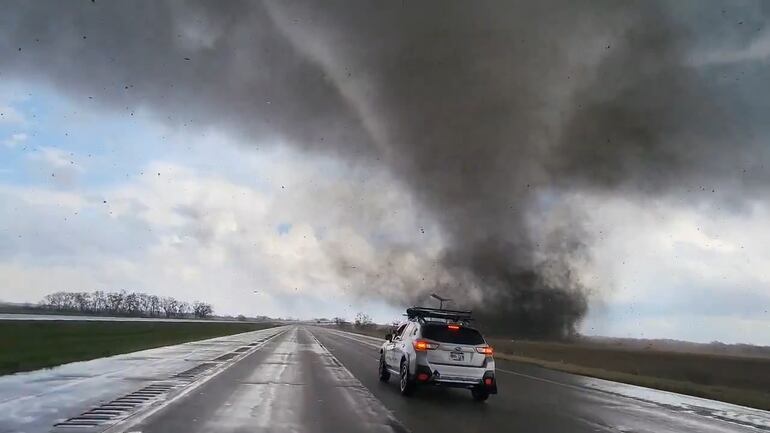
(422, 313)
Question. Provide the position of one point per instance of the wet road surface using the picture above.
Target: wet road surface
(291, 385)
(313, 379)
(34, 401)
(533, 399)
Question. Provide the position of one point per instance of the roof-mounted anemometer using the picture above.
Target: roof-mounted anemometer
(440, 299)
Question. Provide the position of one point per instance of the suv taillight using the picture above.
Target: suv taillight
(422, 345)
(486, 350)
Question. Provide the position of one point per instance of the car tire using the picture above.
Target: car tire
(384, 373)
(479, 394)
(406, 384)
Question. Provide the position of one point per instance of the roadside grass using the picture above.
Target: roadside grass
(744, 397)
(733, 379)
(32, 344)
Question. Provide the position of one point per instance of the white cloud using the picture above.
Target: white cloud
(55, 159)
(194, 236)
(758, 50)
(15, 139)
(60, 166)
(660, 262)
(37, 196)
(10, 115)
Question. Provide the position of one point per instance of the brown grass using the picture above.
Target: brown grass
(733, 379)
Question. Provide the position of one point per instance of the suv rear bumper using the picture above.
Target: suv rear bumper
(456, 377)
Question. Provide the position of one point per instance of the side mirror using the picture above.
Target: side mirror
(388, 337)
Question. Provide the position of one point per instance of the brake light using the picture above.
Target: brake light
(422, 345)
(453, 327)
(488, 381)
(486, 350)
(422, 377)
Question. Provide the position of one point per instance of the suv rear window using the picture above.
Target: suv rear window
(443, 334)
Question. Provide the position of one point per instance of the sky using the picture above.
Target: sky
(105, 192)
(111, 201)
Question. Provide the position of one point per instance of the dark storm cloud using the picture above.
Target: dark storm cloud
(486, 112)
(192, 63)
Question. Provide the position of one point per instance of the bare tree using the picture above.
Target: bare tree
(56, 301)
(184, 308)
(202, 310)
(123, 303)
(115, 302)
(98, 302)
(362, 320)
(169, 306)
(131, 304)
(154, 307)
(82, 301)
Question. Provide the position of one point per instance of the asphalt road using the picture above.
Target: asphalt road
(293, 384)
(32, 402)
(311, 379)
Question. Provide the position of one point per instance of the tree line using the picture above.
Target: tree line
(124, 303)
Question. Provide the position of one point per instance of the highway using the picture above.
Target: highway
(313, 379)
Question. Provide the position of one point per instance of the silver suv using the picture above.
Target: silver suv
(436, 347)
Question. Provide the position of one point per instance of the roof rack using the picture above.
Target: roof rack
(422, 313)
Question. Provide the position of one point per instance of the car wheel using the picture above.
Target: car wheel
(406, 384)
(479, 394)
(384, 373)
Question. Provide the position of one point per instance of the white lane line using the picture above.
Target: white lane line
(261, 401)
(132, 421)
(353, 337)
(392, 417)
(357, 335)
(731, 422)
(601, 391)
(580, 388)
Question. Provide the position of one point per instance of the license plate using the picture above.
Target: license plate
(457, 356)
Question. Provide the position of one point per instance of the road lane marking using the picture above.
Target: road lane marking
(713, 415)
(135, 419)
(393, 422)
(364, 353)
(268, 397)
(353, 337)
(580, 388)
(756, 424)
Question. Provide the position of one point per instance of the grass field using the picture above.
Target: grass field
(733, 379)
(29, 345)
